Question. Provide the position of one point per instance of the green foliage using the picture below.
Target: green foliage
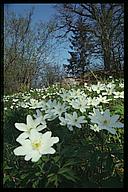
(119, 109)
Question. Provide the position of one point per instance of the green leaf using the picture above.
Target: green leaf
(63, 170)
(56, 181)
(53, 178)
(56, 159)
(5, 179)
(35, 184)
(70, 176)
(68, 163)
(52, 174)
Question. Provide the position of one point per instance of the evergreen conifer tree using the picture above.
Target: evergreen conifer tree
(81, 47)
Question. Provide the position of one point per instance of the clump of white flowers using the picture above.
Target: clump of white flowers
(33, 143)
(31, 124)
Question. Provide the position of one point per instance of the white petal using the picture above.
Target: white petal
(61, 118)
(112, 131)
(46, 135)
(97, 112)
(107, 114)
(54, 140)
(35, 155)
(81, 119)
(46, 116)
(114, 118)
(27, 157)
(34, 134)
(75, 115)
(38, 121)
(78, 125)
(30, 121)
(35, 159)
(63, 121)
(70, 127)
(68, 116)
(19, 151)
(118, 125)
(26, 145)
(49, 151)
(41, 127)
(21, 126)
(22, 136)
(94, 119)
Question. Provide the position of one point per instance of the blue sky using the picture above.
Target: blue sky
(42, 12)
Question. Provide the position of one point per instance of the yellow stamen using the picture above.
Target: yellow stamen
(36, 145)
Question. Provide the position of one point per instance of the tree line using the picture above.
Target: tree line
(28, 52)
(96, 31)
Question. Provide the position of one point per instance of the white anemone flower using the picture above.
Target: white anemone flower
(93, 101)
(59, 109)
(74, 94)
(25, 97)
(118, 94)
(50, 116)
(95, 128)
(80, 103)
(52, 110)
(50, 104)
(31, 124)
(107, 92)
(15, 100)
(65, 96)
(39, 114)
(34, 104)
(85, 85)
(105, 121)
(89, 88)
(72, 120)
(23, 104)
(98, 88)
(37, 145)
(103, 99)
(110, 88)
(110, 85)
(121, 85)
